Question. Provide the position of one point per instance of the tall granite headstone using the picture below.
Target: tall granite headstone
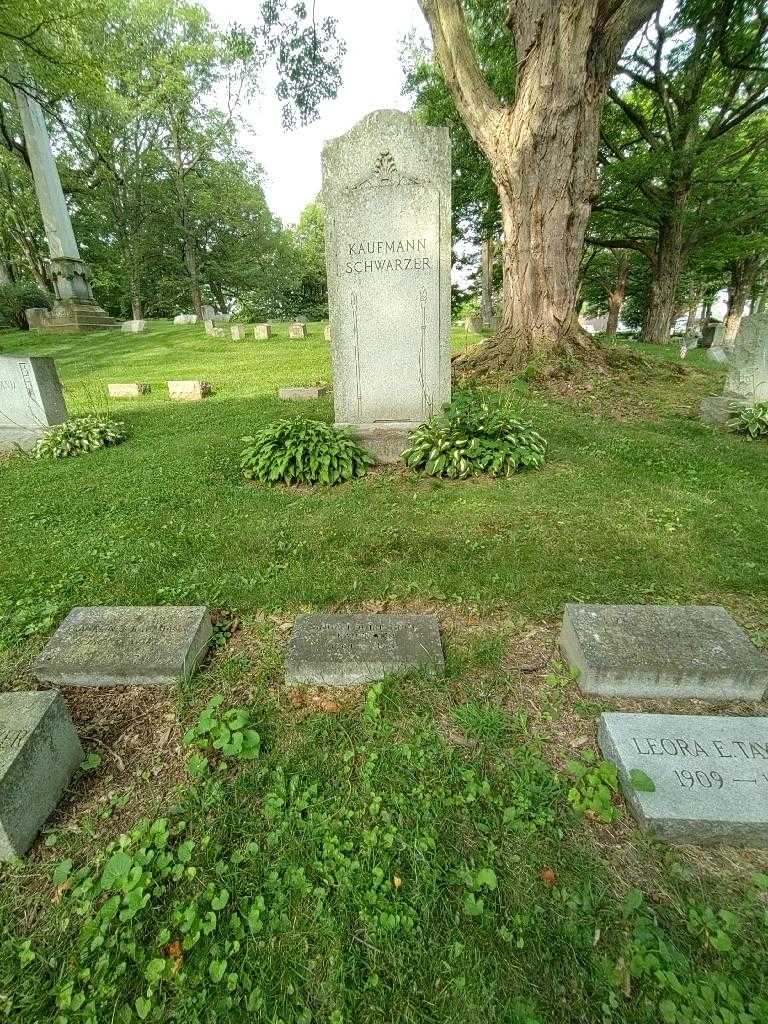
(31, 400)
(387, 195)
(747, 380)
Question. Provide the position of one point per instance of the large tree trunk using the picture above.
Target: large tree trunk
(136, 304)
(743, 274)
(486, 301)
(543, 156)
(667, 263)
(190, 260)
(617, 293)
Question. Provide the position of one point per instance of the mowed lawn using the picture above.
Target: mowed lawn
(636, 511)
(421, 851)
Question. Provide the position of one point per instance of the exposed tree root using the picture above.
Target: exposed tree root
(509, 353)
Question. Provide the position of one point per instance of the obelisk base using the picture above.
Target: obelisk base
(73, 316)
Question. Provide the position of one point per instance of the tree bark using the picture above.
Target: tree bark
(666, 266)
(617, 293)
(542, 152)
(7, 275)
(742, 280)
(694, 296)
(136, 303)
(486, 301)
(190, 261)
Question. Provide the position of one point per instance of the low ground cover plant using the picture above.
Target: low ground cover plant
(79, 436)
(478, 432)
(752, 421)
(302, 451)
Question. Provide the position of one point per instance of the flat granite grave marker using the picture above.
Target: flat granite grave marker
(387, 195)
(710, 775)
(349, 650)
(128, 390)
(31, 400)
(262, 332)
(128, 646)
(662, 651)
(188, 390)
(301, 394)
(133, 326)
(39, 752)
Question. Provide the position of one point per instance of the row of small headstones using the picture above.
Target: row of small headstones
(196, 390)
(238, 332)
(704, 778)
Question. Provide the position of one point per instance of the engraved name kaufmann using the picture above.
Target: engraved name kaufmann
(387, 255)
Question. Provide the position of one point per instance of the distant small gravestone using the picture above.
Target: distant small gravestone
(747, 380)
(238, 331)
(297, 330)
(212, 330)
(301, 394)
(327, 332)
(39, 753)
(133, 326)
(262, 332)
(185, 319)
(128, 646)
(717, 354)
(31, 400)
(692, 778)
(128, 390)
(387, 196)
(189, 390)
(37, 317)
(662, 651)
(349, 650)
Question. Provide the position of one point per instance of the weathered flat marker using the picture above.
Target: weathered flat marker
(128, 390)
(301, 394)
(39, 752)
(710, 775)
(125, 646)
(189, 390)
(349, 650)
(662, 651)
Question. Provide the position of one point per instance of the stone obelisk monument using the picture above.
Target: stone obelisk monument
(75, 308)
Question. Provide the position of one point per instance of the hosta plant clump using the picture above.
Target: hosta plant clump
(79, 436)
(476, 434)
(752, 421)
(302, 451)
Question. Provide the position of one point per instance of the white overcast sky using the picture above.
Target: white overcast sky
(372, 80)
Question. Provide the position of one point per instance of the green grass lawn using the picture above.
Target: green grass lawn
(407, 854)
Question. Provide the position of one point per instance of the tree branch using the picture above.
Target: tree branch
(474, 97)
